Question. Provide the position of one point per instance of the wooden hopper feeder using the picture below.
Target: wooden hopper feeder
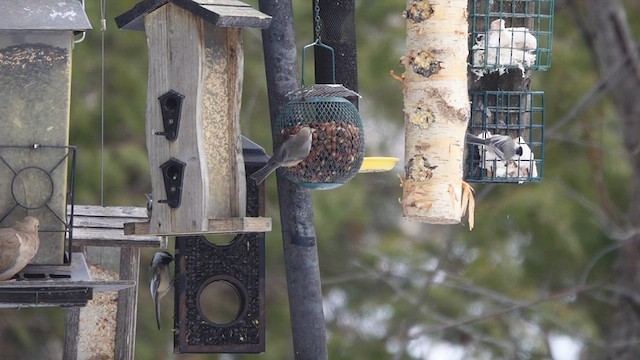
(192, 120)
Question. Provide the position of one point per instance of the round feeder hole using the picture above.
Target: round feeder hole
(170, 103)
(32, 188)
(223, 239)
(222, 300)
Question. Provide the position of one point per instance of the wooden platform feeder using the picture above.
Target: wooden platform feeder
(73, 286)
(192, 118)
(36, 38)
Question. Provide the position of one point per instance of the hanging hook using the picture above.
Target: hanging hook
(319, 43)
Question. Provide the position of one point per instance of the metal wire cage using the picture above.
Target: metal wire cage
(519, 114)
(337, 148)
(510, 34)
(40, 182)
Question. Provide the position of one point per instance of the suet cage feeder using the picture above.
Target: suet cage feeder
(524, 42)
(337, 147)
(36, 162)
(518, 114)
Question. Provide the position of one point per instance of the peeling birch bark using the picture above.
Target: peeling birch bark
(436, 107)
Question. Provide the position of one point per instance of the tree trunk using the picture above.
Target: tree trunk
(436, 106)
(610, 40)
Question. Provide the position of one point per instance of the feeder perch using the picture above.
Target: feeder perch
(36, 38)
(192, 119)
(522, 40)
(219, 306)
(518, 114)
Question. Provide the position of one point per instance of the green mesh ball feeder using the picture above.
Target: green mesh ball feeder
(337, 148)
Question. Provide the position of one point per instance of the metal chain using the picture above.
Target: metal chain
(316, 9)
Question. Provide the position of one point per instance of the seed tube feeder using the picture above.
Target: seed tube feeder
(36, 39)
(192, 119)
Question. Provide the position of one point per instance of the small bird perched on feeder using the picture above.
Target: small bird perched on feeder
(18, 246)
(502, 146)
(295, 149)
(149, 197)
(160, 280)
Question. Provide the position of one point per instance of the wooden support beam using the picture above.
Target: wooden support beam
(216, 226)
(71, 333)
(127, 305)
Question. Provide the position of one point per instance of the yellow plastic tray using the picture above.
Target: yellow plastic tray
(377, 164)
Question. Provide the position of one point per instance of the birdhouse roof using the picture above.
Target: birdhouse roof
(43, 15)
(222, 13)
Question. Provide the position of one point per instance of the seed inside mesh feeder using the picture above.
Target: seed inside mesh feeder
(336, 152)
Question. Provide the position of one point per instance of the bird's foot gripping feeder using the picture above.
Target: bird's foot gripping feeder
(510, 34)
(519, 115)
(337, 148)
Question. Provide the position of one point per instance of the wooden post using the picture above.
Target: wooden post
(127, 305)
(71, 336)
(436, 105)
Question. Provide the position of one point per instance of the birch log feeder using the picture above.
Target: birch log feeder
(436, 106)
(193, 114)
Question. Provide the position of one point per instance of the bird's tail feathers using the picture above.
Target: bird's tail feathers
(158, 313)
(472, 139)
(262, 174)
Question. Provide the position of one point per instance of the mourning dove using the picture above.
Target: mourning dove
(290, 153)
(160, 281)
(18, 245)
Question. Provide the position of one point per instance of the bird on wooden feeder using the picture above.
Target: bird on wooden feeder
(160, 280)
(18, 246)
(295, 149)
(149, 197)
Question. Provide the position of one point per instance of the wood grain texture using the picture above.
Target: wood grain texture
(126, 318)
(216, 226)
(203, 63)
(71, 333)
(175, 63)
(103, 226)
